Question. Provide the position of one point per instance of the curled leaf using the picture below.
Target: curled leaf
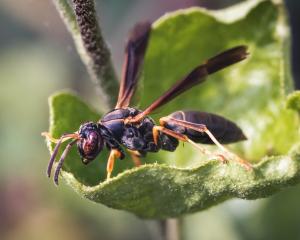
(252, 93)
(161, 191)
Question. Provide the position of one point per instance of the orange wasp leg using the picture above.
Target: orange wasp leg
(184, 138)
(114, 154)
(203, 128)
(135, 155)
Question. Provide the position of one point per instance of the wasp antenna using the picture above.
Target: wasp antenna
(62, 159)
(63, 138)
(52, 158)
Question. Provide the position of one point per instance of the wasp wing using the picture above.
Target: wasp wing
(135, 52)
(197, 76)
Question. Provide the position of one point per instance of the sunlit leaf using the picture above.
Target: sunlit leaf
(252, 93)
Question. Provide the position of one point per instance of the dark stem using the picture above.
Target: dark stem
(81, 21)
(100, 66)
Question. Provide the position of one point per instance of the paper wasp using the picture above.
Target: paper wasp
(133, 129)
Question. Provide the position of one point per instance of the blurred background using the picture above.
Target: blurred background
(37, 58)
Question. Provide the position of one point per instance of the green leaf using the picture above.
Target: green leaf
(155, 190)
(252, 93)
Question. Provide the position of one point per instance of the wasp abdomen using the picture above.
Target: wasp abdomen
(224, 130)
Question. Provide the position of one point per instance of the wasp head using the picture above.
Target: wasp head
(90, 141)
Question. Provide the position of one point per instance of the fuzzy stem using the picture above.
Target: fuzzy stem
(83, 26)
(170, 229)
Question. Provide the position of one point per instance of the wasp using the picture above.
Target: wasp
(133, 129)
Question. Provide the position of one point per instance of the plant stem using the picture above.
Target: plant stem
(170, 229)
(82, 23)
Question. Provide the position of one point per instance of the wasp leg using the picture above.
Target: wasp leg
(184, 138)
(203, 128)
(135, 155)
(114, 154)
(157, 129)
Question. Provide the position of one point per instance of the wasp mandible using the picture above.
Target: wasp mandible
(133, 129)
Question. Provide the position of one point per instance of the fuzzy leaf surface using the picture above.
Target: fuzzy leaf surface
(252, 93)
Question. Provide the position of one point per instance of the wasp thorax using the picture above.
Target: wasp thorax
(90, 143)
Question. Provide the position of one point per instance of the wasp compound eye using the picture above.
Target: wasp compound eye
(90, 143)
